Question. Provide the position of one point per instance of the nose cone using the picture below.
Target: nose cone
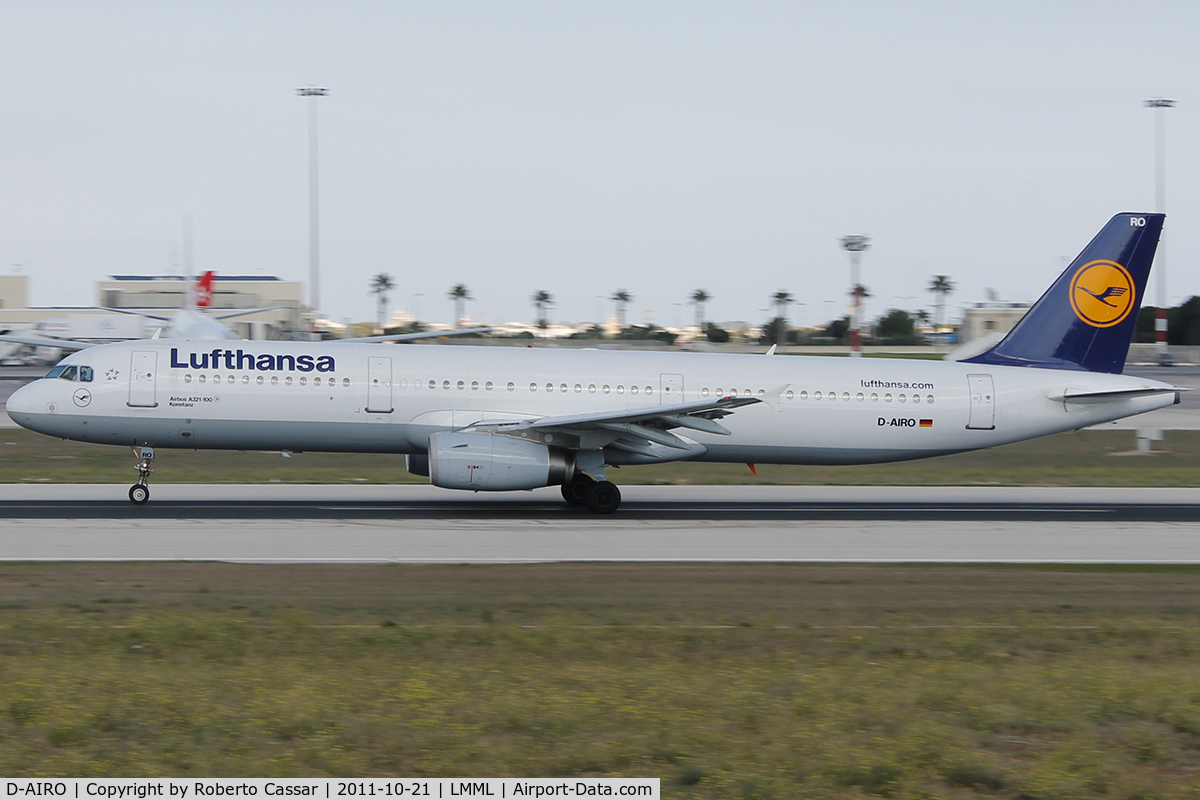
(29, 404)
(21, 401)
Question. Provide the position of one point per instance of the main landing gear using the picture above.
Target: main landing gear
(600, 497)
(139, 493)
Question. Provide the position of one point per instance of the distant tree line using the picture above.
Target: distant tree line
(897, 327)
(1183, 323)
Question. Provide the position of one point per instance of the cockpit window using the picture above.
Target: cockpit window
(70, 372)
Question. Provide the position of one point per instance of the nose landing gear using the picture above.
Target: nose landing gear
(139, 493)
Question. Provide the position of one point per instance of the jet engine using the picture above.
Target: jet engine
(490, 463)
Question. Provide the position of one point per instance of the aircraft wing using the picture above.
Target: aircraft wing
(227, 315)
(243, 312)
(61, 344)
(411, 337)
(158, 317)
(636, 430)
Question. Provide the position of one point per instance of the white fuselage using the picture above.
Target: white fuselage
(390, 399)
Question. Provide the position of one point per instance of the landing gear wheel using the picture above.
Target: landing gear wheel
(575, 491)
(603, 497)
(139, 493)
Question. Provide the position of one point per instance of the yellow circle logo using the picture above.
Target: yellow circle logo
(1102, 293)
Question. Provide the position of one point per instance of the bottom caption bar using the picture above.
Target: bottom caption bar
(199, 788)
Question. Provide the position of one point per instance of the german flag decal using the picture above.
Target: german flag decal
(926, 423)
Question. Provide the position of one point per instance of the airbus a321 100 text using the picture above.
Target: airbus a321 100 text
(496, 419)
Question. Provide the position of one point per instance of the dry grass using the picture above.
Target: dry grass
(745, 681)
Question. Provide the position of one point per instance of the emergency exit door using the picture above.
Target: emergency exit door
(983, 403)
(670, 389)
(379, 385)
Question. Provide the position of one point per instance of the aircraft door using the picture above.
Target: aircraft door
(379, 385)
(983, 403)
(670, 389)
(143, 365)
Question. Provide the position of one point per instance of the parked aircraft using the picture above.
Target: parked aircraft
(191, 321)
(490, 419)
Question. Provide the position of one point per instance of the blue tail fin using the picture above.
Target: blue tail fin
(1086, 319)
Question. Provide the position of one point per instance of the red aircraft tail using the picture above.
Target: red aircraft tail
(203, 291)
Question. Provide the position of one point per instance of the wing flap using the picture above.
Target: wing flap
(659, 436)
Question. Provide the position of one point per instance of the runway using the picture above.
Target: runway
(419, 524)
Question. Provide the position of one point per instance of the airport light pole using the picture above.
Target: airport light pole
(855, 245)
(1160, 104)
(314, 221)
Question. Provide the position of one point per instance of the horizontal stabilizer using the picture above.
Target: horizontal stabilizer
(1071, 396)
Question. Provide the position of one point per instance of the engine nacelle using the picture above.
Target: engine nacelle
(486, 462)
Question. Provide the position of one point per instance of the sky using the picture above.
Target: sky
(584, 148)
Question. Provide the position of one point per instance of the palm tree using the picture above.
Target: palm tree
(541, 301)
(622, 298)
(941, 285)
(381, 284)
(460, 294)
(782, 300)
(700, 297)
(857, 295)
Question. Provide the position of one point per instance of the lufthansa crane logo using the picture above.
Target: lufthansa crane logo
(1102, 293)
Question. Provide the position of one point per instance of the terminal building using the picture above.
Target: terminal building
(991, 317)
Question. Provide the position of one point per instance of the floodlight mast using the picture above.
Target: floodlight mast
(855, 245)
(314, 221)
(1160, 104)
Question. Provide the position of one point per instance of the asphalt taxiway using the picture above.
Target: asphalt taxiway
(418, 524)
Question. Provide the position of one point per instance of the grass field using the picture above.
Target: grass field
(1088, 458)
(727, 681)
